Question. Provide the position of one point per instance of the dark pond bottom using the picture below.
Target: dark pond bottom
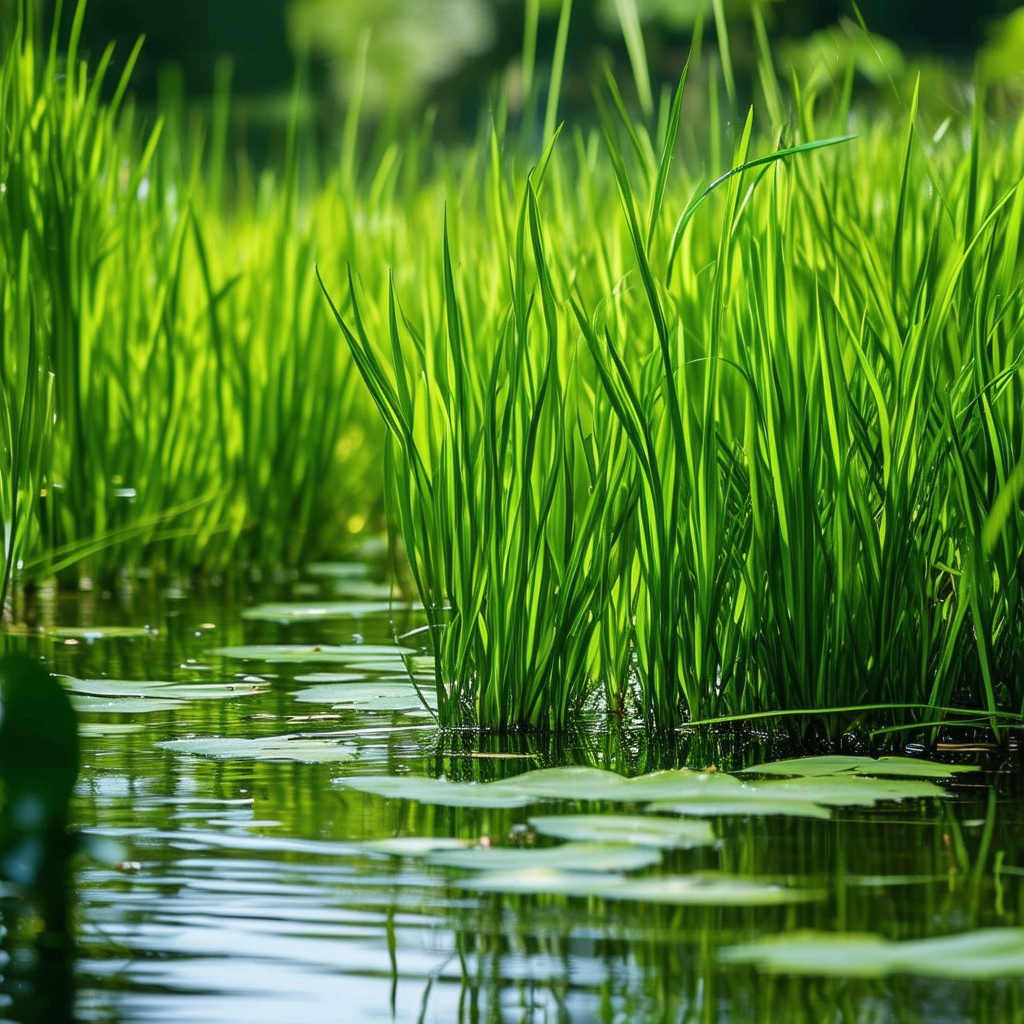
(238, 889)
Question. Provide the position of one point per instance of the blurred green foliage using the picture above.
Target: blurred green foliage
(447, 51)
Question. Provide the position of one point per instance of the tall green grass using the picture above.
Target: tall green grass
(758, 439)
(680, 420)
(173, 391)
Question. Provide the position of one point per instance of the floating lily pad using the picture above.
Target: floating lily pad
(682, 792)
(721, 807)
(99, 730)
(569, 783)
(118, 688)
(582, 783)
(542, 881)
(435, 791)
(717, 890)
(370, 696)
(362, 590)
(802, 797)
(600, 857)
(887, 881)
(267, 748)
(356, 654)
(640, 830)
(711, 889)
(835, 764)
(680, 784)
(316, 611)
(988, 953)
(89, 704)
(338, 570)
(573, 782)
(847, 790)
(331, 677)
(414, 846)
(90, 633)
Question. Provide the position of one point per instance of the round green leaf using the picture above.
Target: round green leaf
(640, 830)
(601, 857)
(268, 748)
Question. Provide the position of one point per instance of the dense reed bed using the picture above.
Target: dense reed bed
(703, 450)
(678, 420)
(174, 394)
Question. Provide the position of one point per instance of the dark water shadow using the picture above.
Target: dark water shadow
(38, 766)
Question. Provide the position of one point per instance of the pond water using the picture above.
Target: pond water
(252, 890)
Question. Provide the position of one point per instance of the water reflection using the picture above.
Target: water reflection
(247, 897)
(38, 766)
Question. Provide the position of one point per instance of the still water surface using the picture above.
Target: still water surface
(242, 894)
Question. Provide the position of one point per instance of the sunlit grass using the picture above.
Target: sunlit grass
(677, 421)
(776, 445)
(165, 343)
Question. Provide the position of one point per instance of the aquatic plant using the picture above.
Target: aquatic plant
(162, 406)
(668, 433)
(801, 384)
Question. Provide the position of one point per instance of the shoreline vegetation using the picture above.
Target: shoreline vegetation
(679, 420)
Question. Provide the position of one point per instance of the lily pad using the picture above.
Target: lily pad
(847, 790)
(836, 764)
(680, 784)
(414, 846)
(987, 953)
(710, 889)
(753, 807)
(331, 677)
(316, 611)
(89, 704)
(582, 783)
(570, 782)
(682, 792)
(801, 797)
(354, 654)
(435, 791)
(370, 696)
(98, 730)
(574, 782)
(118, 688)
(542, 881)
(90, 633)
(268, 748)
(338, 570)
(600, 857)
(640, 830)
(363, 590)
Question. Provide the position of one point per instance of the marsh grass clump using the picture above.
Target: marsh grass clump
(173, 392)
(678, 424)
(746, 447)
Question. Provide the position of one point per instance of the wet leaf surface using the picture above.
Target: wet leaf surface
(739, 806)
(572, 857)
(708, 890)
(383, 696)
(987, 953)
(118, 688)
(318, 611)
(641, 830)
(836, 764)
(352, 654)
(269, 748)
